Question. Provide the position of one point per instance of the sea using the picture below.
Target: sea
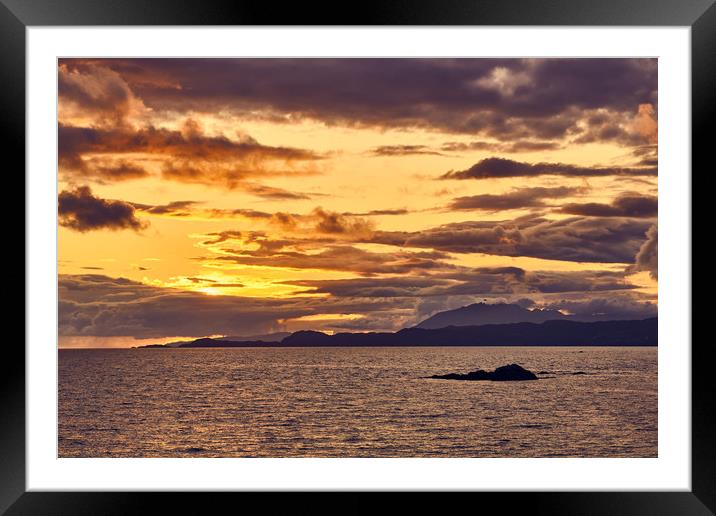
(356, 402)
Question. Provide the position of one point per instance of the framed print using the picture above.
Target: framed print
(415, 250)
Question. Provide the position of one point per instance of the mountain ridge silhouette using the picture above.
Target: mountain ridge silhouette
(479, 314)
(642, 332)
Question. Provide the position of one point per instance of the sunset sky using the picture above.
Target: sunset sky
(204, 197)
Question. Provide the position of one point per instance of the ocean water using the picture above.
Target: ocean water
(356, 402)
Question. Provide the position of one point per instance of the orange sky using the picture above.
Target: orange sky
(213, 197)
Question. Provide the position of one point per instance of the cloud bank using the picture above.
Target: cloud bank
(82, 211)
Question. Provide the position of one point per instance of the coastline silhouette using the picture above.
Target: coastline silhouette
(549, 333)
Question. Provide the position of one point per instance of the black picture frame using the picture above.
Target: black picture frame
(17, 15)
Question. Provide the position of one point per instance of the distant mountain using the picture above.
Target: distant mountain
(218, 343)
(176, 344)
(480, 314)
(549, 333)
(269, 337)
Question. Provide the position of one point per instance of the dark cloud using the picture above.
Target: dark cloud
(188, 144)
(271, 192)
(248, 213)
(95, 305)
(578, 281)
(501, 167)
(398, 211)
(630, 205)
(188, 156)
(621, 128)
(528, 146)
(336, 258)
(336, 223)
(193, 209)
(432, 272)
(175, 208)
(647, 155)
(80, 210)
(325, 222)
(647, 259)
(611, 307)
(404, 150)
(461, 281)
(102, 170)
(515, 199)
(579, 239)
(96, 91)
(503, 98)
(102, 306)
(406, 286)
(507, 147)
(223, 236)
(318, 220)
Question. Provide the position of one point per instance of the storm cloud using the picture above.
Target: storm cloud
(578, 239)
(96, 92)
(507, 147)
(82, 211)
(647, 259)
(188, 156)
(102, 306)
(489, 168)
(96, 305)
(404, 150)
(611, 307)
(629, 205)
(514, 199)
(338, 258)
(174, 208)
(463, 281)
(502, 98)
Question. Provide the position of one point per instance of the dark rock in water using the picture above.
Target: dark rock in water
(508, 373)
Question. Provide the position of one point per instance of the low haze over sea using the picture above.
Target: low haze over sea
(356, 402)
